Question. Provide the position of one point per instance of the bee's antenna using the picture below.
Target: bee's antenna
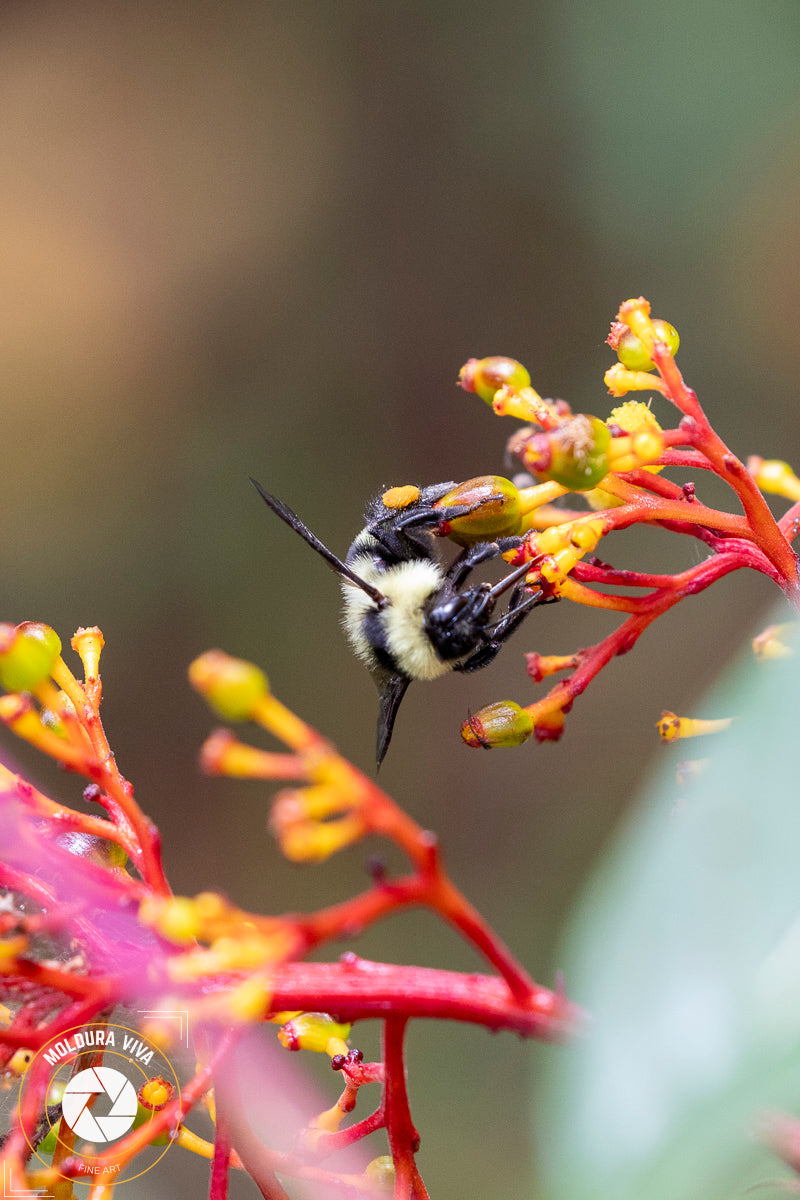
(293, 521)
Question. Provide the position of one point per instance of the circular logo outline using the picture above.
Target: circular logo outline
(67, 1061)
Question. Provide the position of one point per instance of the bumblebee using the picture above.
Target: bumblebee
(409, 616)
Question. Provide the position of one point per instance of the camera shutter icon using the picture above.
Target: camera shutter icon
(81, 1092)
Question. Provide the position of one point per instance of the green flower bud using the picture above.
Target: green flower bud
(574, 454)
(485, 376)
(503, 723)
(632, 352)
(381, 1171)
(312, 1031)
(496, 510)
(231, 686)
(27, 654)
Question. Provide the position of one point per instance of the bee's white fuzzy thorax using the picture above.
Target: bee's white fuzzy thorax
(407, 586)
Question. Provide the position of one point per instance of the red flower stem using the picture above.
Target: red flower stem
(403, 1137)
(657, 484)
(765, 531)
(595, 572)
(261, 1163)
(329, 1143)
(145, 840)
(429, 887)
(640, 506)
(27, 1114)
(67, 818)
(561, 697)
(691, 459)
(686, 583)
(89, 987)
(357, 989)
(644, 609)
(220, 1163)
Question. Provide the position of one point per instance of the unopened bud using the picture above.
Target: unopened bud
(496, 510)
(27, 654)
(634, 354)
(574, 454)
(381, 1172)
(775, 476)
(503, 723)
(314, 1031)
(485, 376)
(232, 686)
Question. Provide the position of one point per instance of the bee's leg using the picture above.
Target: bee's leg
(499, 633)
(472, 556)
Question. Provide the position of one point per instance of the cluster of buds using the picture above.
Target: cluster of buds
(613, 467)
(88, 923)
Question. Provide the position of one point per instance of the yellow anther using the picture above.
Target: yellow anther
(634, 416)
(586, 536)
(647, 446)
(551, 540)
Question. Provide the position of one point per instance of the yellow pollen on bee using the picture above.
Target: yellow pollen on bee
(400, 497)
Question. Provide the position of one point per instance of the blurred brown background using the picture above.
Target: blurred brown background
(261, 239)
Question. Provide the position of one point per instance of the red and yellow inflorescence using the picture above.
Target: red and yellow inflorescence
(615, 468)
(87, 883)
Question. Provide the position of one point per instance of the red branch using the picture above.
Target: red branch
(355, 988)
